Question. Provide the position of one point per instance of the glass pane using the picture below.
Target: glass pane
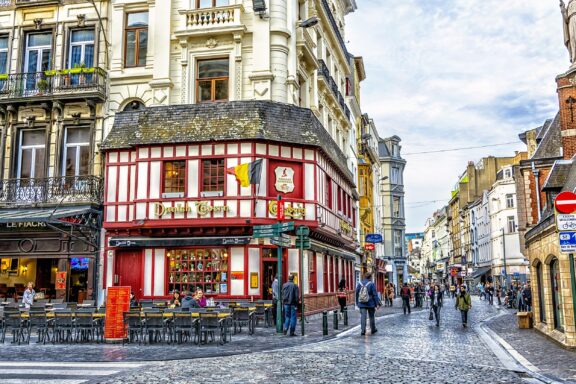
(32, 61)
(130, 48)
(39, 163)
(89, 55)
(26, 164)
(220, 3)
(39, 39)
(221, 90)
(75, 56)
(205, 90)
(82, 35)
(70, 161)
(45, 65)
(3, 42)
(3, 61)
(212, 68)
(142, 47)
(205, 3)
(84, 160)
(138, 19)
(77, 135)
(35, 137)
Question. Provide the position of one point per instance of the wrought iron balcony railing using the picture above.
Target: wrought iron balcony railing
(67, 83)
(325, 72)
(51, 191)
(335, 27)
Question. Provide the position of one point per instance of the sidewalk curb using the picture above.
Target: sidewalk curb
(508, 356)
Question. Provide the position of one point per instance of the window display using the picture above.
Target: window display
(191, 269)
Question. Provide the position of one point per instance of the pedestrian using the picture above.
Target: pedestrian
(342, 296)
(274, 298)
(452, 291)
(527, 296)
(367, 301)
(489, 293)
(290, 299)
(436, 304)
(406, 295)
(499, 294)
(464, 303)
(28, 297)
(418, 295)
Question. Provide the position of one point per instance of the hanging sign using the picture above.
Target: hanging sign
(60, 280)
(284, 179)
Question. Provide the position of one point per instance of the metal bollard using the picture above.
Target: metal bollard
(335, 319)
(345, 316)
(325, 323)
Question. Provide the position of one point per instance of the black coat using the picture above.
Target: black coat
(436, 301)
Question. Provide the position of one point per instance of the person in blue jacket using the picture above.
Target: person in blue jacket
(367, 300)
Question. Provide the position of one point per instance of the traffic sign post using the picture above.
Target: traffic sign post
(280, 217)
(566, 222)
(302, 242)
(567, 242)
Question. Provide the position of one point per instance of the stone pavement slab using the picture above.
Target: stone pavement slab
(550, 358)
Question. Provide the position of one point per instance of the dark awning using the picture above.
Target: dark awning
(43, 215)
(138, 242)
(480, 272)
(325, 248)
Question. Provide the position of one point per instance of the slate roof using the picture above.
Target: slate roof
(383, 149)
(570, 184)
(229, 121)
(550, 140)
(558, 175)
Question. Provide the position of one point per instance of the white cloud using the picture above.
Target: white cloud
(455, 73)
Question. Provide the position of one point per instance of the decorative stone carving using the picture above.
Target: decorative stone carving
(81, 20)
(38, 23)
(569, 24)
(211, 43)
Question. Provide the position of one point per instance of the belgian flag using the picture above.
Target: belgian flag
(247, 173)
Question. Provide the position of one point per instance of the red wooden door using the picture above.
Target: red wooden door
(129, 271)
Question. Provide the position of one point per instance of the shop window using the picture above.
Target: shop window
(213, 175)
(76, 154)
(556, 295)
(192, 269)
(211, 3)
(136, 39)
(174, 177)
(31, 154)
(212, 80)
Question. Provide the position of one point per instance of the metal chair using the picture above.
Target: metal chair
(135, 326)
(146, 303)
(261, 313)
(84, 325)
(88, 302)
(211, 325)
(14, 322)
(243, 316)
(59, 306)
(63, 326)
(56, 301)
(184, 326)
(38, 321)
(154, 326)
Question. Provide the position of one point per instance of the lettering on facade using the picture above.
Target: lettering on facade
(289, 211)
(30, 224)
(345, 227)
(203, 208)
(284, 179)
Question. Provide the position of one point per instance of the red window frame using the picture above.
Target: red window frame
(312, 274)
(209, 166)
(328, 192)
(179, 178)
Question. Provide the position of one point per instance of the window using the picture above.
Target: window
(31, 154)
(76, 153)
(510, 201)
(556, 295)
(396, 207)
(81, 48)
(37, 59)
(174, 176)
(212, 80)
(511, 224)
(191, 269)
(397, 239)
(339, 193)
(3, 54)
(136, 39)
(213, 175)
(211, 3)
(395, 175)
(328, 192)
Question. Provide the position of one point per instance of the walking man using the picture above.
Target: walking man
(367, 301)
(406, 295)
(436, 303)
(274, 297)
(463, 303)
(290, 299)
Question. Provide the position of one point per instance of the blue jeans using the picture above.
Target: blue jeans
(290, 316)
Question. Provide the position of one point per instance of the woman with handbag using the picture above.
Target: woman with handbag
(342, 297)
(435, 304)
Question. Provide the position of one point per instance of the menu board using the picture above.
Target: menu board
(117, 302)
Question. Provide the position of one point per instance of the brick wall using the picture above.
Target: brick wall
(567, 90)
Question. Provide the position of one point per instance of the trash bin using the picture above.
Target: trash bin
(524, 320)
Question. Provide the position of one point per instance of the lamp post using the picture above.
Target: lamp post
(504, 257)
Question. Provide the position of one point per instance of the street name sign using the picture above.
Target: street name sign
(269, 230)
(566, 222)
(281, 242)
(565, 202)
(567, 241)
(373, 238)
(258, 234)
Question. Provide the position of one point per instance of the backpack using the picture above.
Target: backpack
(363, 295)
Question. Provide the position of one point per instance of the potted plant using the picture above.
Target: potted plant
(42, 85)
(65, 75)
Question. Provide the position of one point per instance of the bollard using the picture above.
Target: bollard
(335, 319)
(345, 316)
(325, 323)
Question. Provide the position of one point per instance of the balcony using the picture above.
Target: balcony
(28, 3)
(51, 191)
(324, 72)
(211, 21)
(85, 83)
(335, 28)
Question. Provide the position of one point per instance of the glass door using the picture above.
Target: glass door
(556, 296)
(81, 56)
(37, 59)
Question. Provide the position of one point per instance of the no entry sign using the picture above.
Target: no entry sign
(565, 202)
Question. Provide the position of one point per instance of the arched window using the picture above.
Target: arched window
(540, 287)
(134, 105)
(556, 296)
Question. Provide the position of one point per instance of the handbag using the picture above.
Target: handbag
(431, 315)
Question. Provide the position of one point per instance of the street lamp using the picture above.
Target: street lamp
(309, 22)
(504, 257)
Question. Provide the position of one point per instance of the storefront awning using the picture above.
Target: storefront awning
(480, 272)
(138, 242)
(43, 215)
(325, 248)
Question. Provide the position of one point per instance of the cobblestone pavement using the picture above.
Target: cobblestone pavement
(407, 349)
(547, 356)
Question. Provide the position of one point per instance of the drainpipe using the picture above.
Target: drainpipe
(573, 283)
(536, 173)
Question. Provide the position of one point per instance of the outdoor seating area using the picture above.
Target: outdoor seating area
(151, 322)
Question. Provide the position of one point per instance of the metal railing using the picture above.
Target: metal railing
(335, 26)
(52, 190)
(325, 72)
(53, 83)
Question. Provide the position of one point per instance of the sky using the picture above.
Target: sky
(445, 74)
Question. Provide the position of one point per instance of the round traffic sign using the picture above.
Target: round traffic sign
(565, 202)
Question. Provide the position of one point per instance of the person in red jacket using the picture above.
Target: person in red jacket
(406, 295)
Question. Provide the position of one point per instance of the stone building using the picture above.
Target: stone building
(54, 57)
(240, 83)
(436, 245)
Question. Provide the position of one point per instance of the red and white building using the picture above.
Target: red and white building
(175, 220)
